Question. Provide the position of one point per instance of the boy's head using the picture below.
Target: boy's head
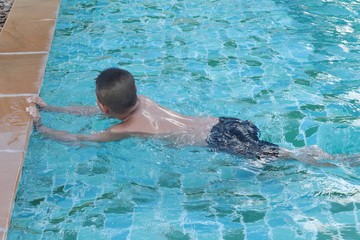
(116, 90)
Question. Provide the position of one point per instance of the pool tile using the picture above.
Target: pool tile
(10, 167)
(25, 41)
(2, 235)
(14, 124)
(22, 35)
(35, 9)
(21, 73)
(30, 26)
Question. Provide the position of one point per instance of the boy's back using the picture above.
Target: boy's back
(151, 119)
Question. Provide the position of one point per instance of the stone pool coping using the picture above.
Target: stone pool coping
(25, 42)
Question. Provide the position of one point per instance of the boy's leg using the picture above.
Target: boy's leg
(309, 154)
(314, 155)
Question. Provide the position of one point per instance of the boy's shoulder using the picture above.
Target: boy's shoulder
(135, 124)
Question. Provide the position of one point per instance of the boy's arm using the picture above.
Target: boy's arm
(65, 136)
(79, 110)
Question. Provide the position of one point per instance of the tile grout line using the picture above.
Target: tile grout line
(18, 95)
(23, 53)
(5, 231)
(10, 151)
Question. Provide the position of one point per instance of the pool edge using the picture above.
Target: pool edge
(25, 43)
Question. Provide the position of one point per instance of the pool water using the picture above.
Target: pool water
(291, 67)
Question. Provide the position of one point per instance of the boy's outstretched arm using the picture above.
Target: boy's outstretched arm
(65, 136)
(79, 110)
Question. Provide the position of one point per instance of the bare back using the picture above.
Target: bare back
(152, 120)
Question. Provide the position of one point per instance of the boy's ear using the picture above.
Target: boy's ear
(104, 108)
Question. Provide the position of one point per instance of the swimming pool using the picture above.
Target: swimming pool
(290, 67)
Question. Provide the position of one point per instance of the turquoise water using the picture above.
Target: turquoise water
(291, 67)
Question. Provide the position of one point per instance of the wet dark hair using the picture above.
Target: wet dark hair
(115, 88)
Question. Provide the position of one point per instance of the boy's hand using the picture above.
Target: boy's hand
(37, 100)
(34, 112)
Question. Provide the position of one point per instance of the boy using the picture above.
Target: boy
(141, 117)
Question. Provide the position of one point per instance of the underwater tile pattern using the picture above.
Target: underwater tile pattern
(24, 44)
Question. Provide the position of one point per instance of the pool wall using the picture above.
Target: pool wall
(25, 42)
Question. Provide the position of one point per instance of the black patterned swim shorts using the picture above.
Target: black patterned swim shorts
(239, 137)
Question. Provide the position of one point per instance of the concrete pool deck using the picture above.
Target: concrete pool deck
(25, 42)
